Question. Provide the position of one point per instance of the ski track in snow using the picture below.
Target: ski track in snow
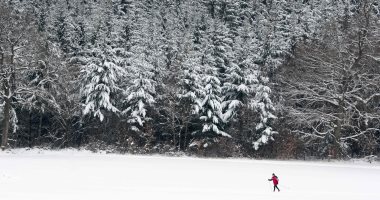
(70, 174)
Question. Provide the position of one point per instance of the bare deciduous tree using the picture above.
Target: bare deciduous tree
(331, 88)
(17, 38)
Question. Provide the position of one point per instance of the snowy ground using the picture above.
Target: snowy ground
(71, 175)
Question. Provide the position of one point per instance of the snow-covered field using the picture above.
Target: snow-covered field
(71, 175)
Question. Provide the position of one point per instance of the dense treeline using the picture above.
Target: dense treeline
(267, 78)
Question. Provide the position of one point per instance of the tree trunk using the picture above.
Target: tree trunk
(185, 134)
(7, 107)
(338, 130)
(172, 124)
(37, 140)
(30, 129)
(7, 99)
(241, 124)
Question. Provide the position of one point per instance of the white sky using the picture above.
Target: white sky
(80, 175)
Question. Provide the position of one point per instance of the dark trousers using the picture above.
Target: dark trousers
(274, 188)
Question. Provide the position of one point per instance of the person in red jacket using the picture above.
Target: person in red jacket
(275, 182)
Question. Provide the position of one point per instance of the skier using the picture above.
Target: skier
(275, 182)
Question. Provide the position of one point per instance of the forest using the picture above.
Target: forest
(284, 79)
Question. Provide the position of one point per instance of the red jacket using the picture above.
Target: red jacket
(275, 180)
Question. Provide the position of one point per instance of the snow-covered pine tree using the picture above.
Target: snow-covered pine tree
(62, 27)
(189, 82)
(232, 17)
(236, 90)
(100, 82)
(271, 44)
(240, 84)
(222, 55)
(190, 90)
(211, 116)
(263, 105)
(213, 65)
(104, 68)
(140, 95)
(140, 90)
(79, 35)
(222, 48)
(236, 87)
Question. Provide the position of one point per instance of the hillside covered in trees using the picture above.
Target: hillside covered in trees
(255, 78)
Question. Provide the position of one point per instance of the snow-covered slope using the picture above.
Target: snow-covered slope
(71, 175)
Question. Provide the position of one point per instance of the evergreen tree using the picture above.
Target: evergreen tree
(211, 115)
(100, 82)
(236, 91)
(264, 106)
(104, 67)
(62, 27)
(139, 97)
(140, 92)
